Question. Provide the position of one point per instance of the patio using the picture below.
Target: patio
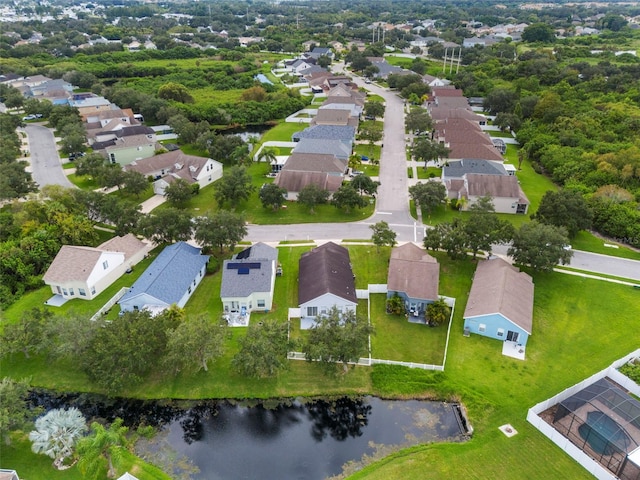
(56, 301)
(513, 350)
(237, 319)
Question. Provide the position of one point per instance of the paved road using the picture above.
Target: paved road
(45, 162)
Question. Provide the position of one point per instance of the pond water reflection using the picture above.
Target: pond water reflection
(287, 440)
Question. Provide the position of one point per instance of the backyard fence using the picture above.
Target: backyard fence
(112, 301)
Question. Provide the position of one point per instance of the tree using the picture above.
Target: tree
(234, 186)
(272, 196)
(135, 183)
(338, 338)
(27, 335)
(175, 91)
(323, 61)
(126, 349)
(428, 195)
(347, 198)
(90, 164)
(15, 181)
(167, 225)
(364, 184)
(102, 449)
(267, 154)
(564, 208)
(222, 229)
(14, 413)
(483, 227)
(449, 236)
(540, 246)
(418, 121)
(178, 192)
(56, 434)
(374, 109)
(371, 132)
(500, 100)
(424, 150)
(311, 195)
(438, 312)
(538, 32)
(395, 305)
(263, 350)
(382, 235)
(194, 343)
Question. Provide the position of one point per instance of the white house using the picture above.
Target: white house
(165, 168)
(85, 272)
(248, 280)
(325, 280)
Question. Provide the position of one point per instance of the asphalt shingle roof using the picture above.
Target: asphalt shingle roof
(326, 269)
(344, 133)
(236, 284)
(459, 168)
(413, 271)
(170, 274)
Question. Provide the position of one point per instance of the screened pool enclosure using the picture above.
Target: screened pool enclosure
(604, 422)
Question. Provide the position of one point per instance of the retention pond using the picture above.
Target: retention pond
(284, 439)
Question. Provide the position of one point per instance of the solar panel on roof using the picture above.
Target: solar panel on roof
(247, 265)
(244, 254)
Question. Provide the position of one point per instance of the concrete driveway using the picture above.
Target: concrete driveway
(44, 161)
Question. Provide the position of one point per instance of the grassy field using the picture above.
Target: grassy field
(567, 345)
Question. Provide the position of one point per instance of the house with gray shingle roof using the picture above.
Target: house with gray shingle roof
(342, 133)
(413, 276)
(310, 145)
(85, 272)
(325, 280)
(301, 169)
(248, 280)
(505, 191)
(459, 168)
(170, 279)
(500, 303)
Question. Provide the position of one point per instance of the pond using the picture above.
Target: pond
(247, 132)
(286, 439)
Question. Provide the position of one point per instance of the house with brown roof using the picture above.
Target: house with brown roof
(500, 303)
(166, 168)
(301, 169)
(414, 276)
(505, 191)
(325, 280)
(334, 116)
(85, 272)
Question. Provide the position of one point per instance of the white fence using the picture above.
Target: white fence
(559, 439)
(112, 301)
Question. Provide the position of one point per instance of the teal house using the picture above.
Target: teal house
(500, 303)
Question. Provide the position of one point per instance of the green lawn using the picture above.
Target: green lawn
(282, 131)
(590, 243)
(429, 172)
(371, 151)
(563, 350)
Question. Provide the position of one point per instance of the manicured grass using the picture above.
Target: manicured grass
(282, 131)
(18, 456)
(36, 298)
(589, 242)
(499, 134)
(569, 342)
(371, 151)
(83, 182)
(429, 172)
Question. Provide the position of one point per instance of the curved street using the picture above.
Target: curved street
(46, 168)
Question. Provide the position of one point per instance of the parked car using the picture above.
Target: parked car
(355, 173)
(29, 117)
(364, 158)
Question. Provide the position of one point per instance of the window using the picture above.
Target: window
(261, 304)
(59, 290)
(82, 292)
(105, 264)
(482, 327)
(312, 311)
(71, 291)
(93, 290)
(323, 310)
(501, 332)
(64, 291)
(189, 289)
(135, 307)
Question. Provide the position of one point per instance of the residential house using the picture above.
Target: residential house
(500, 303)
(341, 133)
(170, 279)
(310, 145)
(301, 169)
(504, 190)
(248, 280)
(459, 168)
(129, 149)
(105, 137)
(325, 281)
(87, 105)
(353, 109)
(435, 81)
(485, 41)
(414, 276)
(334, 116)
(385, 69)
(85, 272)
(318, 52)
(165, 168)
(127, 476)
(6, 474)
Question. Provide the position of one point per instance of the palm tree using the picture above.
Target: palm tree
(56, 434)
(354, 161)
(102, 449)
(267, 154)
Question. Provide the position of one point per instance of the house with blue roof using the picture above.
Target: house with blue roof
(248, 280)
(170, 279)
(343, 133)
